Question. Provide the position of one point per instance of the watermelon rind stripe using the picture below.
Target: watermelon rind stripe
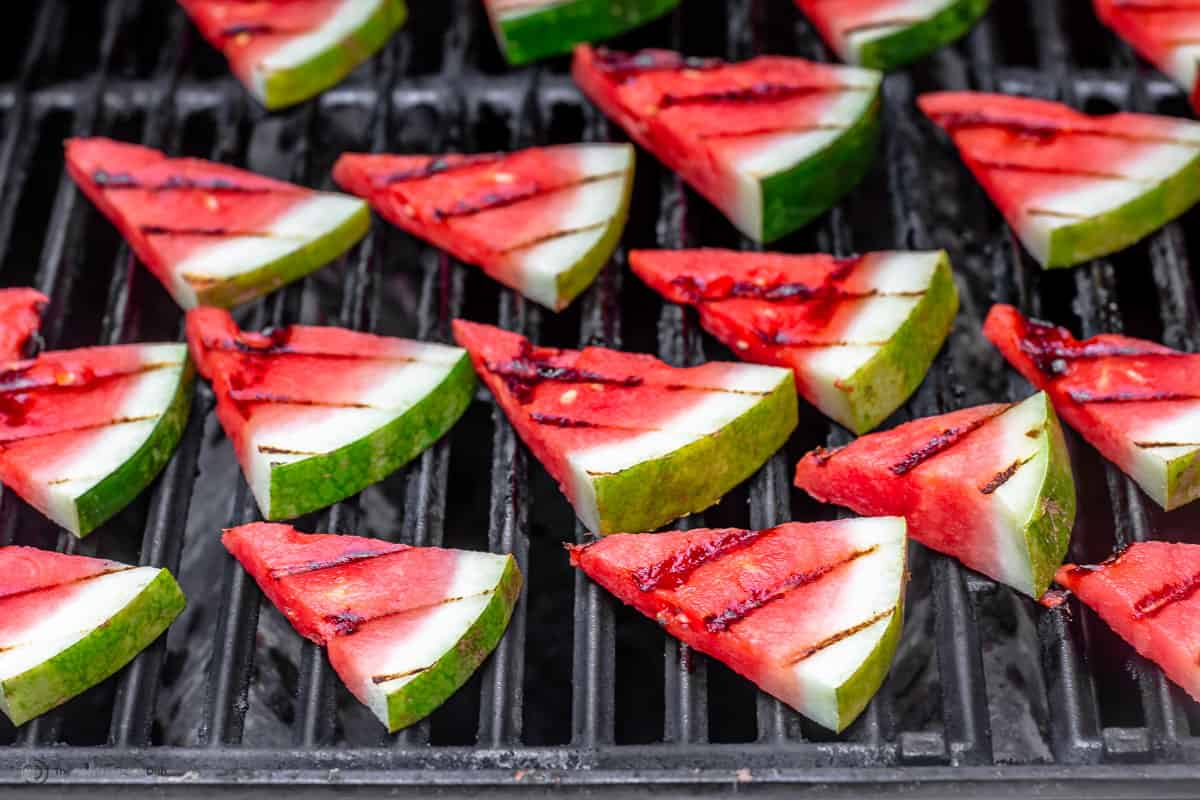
(107, 648)
(909, 43)
(556, 29)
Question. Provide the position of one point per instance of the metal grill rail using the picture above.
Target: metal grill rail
(989, 692)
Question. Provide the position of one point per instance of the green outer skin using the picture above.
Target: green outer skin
(421, 696)
(290, 86)
(1048, 529)
(1121, 227)
(579, 277)
(799, 194)
(320, 481)
(859, 688)
(882, 384)
(295, 265)
(112, 645)
(651, 494)
(127, 481)
(558, 29)
(1183, 480)
(918, 40)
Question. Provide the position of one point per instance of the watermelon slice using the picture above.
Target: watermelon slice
(305, 444)
(809, 612)
(82, 432)
(542, 221)
(69, 622)
(1165, 32)
(989, 485)
(286, 51)
(214, 235)
(20, 313)
(634, 443)
(773, 142)
(405, 626)
(1137, 402)
(885, 34)
(531, 29)
(859, 333)
(1073, 186)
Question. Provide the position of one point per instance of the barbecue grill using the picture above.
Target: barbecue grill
(989, 694)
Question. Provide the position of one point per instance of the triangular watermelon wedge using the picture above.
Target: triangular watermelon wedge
(809, 612)
(542, 221)
(82, 432)
(1073, 186)
(989, 485)
(772, 142)
(634, 443)
(1147, 594)
(886, 34)
(317, 414)
(213, 234)
(69, 622)
(405, 626)
(528, 30)
(859, 333)
(286, 51)
(1135, 401)
(20, 315)
(1165, 32)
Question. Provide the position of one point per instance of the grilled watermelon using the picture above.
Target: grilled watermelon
(989, 485)
(1073, 186)
(634, 443)
(20, 313)
(405, 626)
(82, 432)
(809, 612)
(885, 34)
(214, 235)
(1165, 32)
(543, 221)
(531, 29)
(286, 51)
(859, 333)
(773, 142)
(1147, 594)
(1137, 402)
(69, 622)
(305, 444)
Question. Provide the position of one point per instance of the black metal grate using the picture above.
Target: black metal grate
(988, 692)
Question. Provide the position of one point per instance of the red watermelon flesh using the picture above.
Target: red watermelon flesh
(206, 230)
(798, 609)
(527, 218)
(1063, 179)
(1136, 401)
(28, 569)
(1164, 32)
(20, 314)
(1147, 594)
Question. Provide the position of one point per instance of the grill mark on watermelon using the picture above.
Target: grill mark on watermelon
(1051, 348)
(1156, 600)
(735, 612)
(284, 451)
(1085, 397)
(10, 380)
(524, 373)
(1148, 445)
(506, 195)
(549, 237)
(76, 429)
(942, 442)
(760, 92)
(1003, 476)
(75, 581)
(377, 679)
(1049, 169)
(347, 622)
(673, 572)
(623, 67)
(746, 133)
(179, 183)
(559, 421)
(251, 397)
(724, 288)
(833, 639)
(160, 230)
(346, 558)
(1043, 131)
(436, 167)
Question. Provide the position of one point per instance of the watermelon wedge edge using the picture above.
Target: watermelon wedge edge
(530, 33)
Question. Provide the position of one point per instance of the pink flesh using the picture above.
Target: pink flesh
(361, 657)
(27, 569)
(20, 314)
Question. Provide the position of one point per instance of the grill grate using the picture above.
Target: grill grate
(987, 692)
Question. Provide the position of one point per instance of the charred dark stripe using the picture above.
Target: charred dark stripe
(353, 621)
(622, 67)
(532, 367)
(251, 396)
(559, 421)
(783, 339)
(247, 28)
(117, 568)
(123, 180)
(1067, 170)
(941, 443)
(161, 230)
(839, 636)
(754, 93)
(1084, 396)
(1002, 477)
(716, 623)
(497, 198)
(378, 679)
(1153, 602)
(675, 571)
(1167, 444)
(954, 121)
(436, 167)
(284, 451)
(1052, 348)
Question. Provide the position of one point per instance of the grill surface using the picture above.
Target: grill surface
(989, 693)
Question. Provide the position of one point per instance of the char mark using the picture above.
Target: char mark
(763, 91)
(1155, 601)
(1166, 444)
(1002, 477)
(559, 421)
(839, 636)
(345, 558)
(113, 571)
(1052, 348)
(530, 368)
(123, 180)
(1084, 396)
(436, 167)
(622, 67)
(941, 443)
(675, 571)
(378, 679)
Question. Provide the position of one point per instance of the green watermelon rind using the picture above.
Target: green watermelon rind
(122, 485)
(920, 39)
(1117, 229)
(854, 695)
(651, 494)
(794, 197)
(320, 481)
(421, 696)
(1183, 480)
(556, 30)
(891, 376)
(1048, 528)
(302, 261)
(287, 87)
(97, 656)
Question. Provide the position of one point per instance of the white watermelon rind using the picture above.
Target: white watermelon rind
(918, 40)
(551, 31)
(100, 654)
(1182, 481)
